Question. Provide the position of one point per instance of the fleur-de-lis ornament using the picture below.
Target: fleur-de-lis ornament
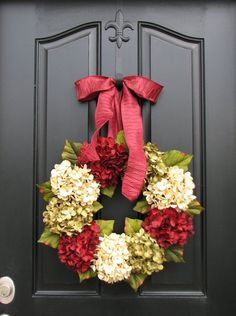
(119, 25)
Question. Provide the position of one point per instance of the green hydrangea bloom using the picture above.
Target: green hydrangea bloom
(66, 216)
(156, 167)
(146, 256)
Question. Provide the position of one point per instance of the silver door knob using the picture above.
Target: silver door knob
(7, 290)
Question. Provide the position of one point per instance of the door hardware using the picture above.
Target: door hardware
(7, 290)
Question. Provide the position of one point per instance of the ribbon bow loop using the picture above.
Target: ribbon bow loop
(89, 87)
(121, 111)
(143, 87)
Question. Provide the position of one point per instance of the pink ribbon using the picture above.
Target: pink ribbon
(120, 111)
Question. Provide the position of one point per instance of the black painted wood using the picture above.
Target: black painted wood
(187, 46)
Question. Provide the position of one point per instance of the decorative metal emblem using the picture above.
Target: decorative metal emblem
(119, 25)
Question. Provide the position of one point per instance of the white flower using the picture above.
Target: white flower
(73, 183)
(163, 185)
(112, 257)
(174, 190)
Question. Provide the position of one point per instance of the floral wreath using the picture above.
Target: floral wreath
(165, 201)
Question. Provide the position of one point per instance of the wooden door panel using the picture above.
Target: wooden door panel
(60, 60)
(177, 121)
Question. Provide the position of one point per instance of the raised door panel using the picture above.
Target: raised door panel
(177, 121)
(60, 60)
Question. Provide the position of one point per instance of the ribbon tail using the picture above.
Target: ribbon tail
(117, 109)
(115, 123)
(104, 113)
(133, 180)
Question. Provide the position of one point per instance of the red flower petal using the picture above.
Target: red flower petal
(112, 163)
(77, 252)
(168, 226)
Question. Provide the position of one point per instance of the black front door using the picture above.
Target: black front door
(187, 47)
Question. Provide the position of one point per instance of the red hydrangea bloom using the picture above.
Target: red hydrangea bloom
(168, 226)
(77, 252)
(113, 158)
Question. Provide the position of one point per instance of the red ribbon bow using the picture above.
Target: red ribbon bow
(121, 111)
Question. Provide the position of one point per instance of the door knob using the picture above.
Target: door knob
(7, 290)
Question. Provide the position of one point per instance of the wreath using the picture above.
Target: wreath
(165, 201)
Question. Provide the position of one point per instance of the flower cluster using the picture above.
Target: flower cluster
(112, 163)
(75, 192)
(169, 227)
(66, 216)
(112, 259)
(146, 256)
(173, 190)
(73, 183)
(155, 164)
(77, 252)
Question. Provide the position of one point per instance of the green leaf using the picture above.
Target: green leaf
(177, 158)
(141, 206)
(71, 151)
(45, 190)
(120, 138)
(132, 226)
(48, 196)
(97, 206)
(195, 208)
(44, 186)
(109, 191)
(175, 254)
(87, 275)
(49, 239)
(136, 280)
(106, 226)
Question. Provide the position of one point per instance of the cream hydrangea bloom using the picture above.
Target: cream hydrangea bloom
(73, 183)
(66, 216)
(174, 190)
(112, 258)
